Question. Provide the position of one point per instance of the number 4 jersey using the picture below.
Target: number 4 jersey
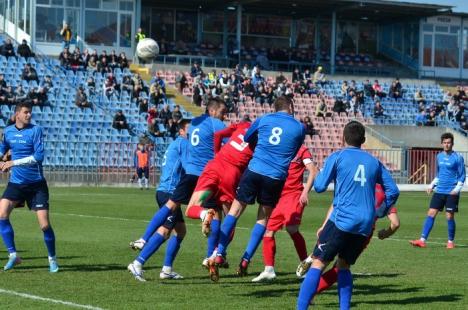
(279, 137)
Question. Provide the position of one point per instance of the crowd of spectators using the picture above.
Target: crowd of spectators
(92, 61)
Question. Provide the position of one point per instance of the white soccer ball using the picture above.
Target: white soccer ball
(147, 49)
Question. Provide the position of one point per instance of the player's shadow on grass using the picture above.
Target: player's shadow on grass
(417, 300)
(376, 275)
(364, 289)
(80, 267)
(61, 258)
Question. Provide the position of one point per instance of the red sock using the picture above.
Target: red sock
(300, 245)
(327, 279)
(194, 212)
(269, 251)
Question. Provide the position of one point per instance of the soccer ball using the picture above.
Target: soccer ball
(147, 49)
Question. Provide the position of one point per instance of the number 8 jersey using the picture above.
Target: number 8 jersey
(279, 137)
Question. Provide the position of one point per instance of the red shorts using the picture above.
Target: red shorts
(287, 212)
(222, 179)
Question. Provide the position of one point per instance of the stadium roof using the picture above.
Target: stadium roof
(373, 10)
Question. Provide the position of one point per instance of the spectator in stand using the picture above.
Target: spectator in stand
(152, 120)
(344, 89)
(460, 95)
(138, 85)
(176, 114)
(92, 65)
(158, 80)
(114, 60)
(165, 114)
(123, 61)
(419, 98)
(127, 84)
(451, 109)
(431, 119)
(395, 91)
(421, 119)
(37, 97)
(181, 81)
(24, 50)
(378, 90)
(309, 127)
(157, 95)
(260, 95)
(306, 76)
(3, 83)
(11, 120)
(91, 85)
(322, 110)
(319, 76)
(217, 91)
(368, 89)
(196, 71)
(110, 86)
(120, 121)
(249, 89)
(378, 110)
(198, 92)
(76, 62)
(140, 35)
(29, 73)
(223, 79)
(143, 105)
(246, 71)
(7, 96)
(20, 94)
(464, 124)
(296, 76)
(459, 110)
(104, 57)
(172, 129)
(47, 83)
(66, 34)
(257, 78)
(281, 78)
(81, 99)
(7, 49)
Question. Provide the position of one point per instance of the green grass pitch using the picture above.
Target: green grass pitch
(93, 227)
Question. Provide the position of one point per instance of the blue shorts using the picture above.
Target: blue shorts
(450, 202)
(175, 217)
(253, 186)
(35, 194)
(333, 241)
(141, 171)
(185, 189)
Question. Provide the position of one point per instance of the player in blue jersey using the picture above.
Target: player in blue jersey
(446, 185)
(355, 174)
(201, 150)
(26, 184)
(278, 137)
(173, 167)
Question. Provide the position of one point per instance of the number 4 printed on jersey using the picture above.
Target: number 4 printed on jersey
(360, 175)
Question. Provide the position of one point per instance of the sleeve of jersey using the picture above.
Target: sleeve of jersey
(221, 134)
(306, 157)
(38, 145)
(184, 153)
(327, 174)
(250, 135)
(461, 174)
(391, 189)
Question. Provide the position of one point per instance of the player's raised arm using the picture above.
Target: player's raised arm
(327, 174)
(251, 134)
(220, 135)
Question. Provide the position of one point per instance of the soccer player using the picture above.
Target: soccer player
(446, 185)
(173, 164)
(355, 174)
(201, 150)
(331, 276)
(26, 182)
(278, 137)
(219, 180)
(287, 213)
(142, 164)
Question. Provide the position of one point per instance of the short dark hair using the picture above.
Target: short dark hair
(446, 135)
(354, 133)
(21, 105)
(283, 103)
(183, 122)
(215, 103)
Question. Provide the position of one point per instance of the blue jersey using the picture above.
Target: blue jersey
(201, 142)
(355, 173)
(450, 171)
(279, 137)
(173, 165)
(24, 143)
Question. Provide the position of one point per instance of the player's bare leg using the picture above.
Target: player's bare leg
(195, 210)
(6, 207)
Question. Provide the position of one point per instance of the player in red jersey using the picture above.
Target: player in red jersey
(287, 213)
(219, 180)
(331, 276)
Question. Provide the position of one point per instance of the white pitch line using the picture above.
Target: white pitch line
(55, 301)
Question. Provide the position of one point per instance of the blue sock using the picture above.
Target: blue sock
(308, 288)
(255, 238)
(49, 239)
(427, 227)
(8, 235)
(345, 288)
(158, 219)
(229, 224)
(451, 229)
(173, 246)
(150, 247)
(213, 238)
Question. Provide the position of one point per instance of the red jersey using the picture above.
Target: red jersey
(235, 151)
(380, 197)
(295, 179)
